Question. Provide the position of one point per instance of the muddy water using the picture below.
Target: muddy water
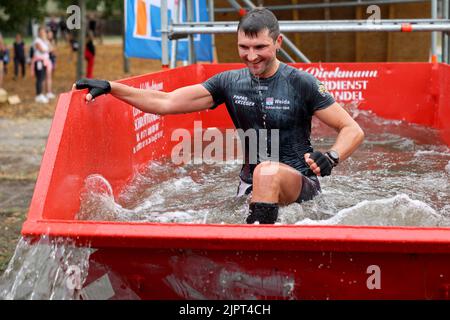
(399, 177)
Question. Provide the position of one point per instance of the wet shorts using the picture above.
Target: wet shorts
(310, 188)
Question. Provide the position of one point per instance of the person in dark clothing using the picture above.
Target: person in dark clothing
(63, 28)
(4, 58)
(53, 27)
(52, 54)
(2, 53)
(19, 56)
(93, 26)
(74, 45)
(30, 54)
(266, 96)
(89, 55)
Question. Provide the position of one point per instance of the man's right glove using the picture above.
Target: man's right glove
(96, 87)
(323, 161)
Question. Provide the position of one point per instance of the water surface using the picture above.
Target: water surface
(400, 176)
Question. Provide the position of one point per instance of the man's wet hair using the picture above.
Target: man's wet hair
(258, 19)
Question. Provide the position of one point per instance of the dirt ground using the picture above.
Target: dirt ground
(24, 130)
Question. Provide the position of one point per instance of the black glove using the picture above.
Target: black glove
(324, 162)
(96, 87)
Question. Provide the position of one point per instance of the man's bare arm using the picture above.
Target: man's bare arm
(350, 134)
(183, 100)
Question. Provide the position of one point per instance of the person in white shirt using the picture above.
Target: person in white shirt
(41, 67)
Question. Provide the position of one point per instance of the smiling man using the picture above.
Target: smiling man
(267, 95)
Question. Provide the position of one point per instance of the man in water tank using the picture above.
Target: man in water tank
(266, 95)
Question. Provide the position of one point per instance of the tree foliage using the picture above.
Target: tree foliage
(110, 6)
(15, 14)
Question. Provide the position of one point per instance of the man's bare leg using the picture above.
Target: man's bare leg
(274, 183)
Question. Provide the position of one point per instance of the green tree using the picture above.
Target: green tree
(15, 14)
(110, 6)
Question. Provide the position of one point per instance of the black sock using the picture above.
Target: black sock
(264, 213)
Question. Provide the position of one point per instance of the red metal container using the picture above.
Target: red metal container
(176, 261)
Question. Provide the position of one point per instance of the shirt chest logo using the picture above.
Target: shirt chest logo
(242, 100)
(277, 104)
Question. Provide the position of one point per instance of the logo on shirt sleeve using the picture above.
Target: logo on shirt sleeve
(322, 89)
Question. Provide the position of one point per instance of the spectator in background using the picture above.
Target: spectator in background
(2, 51)
(50, 71)
(4, 55)
(63, 29)
(53, 27)
(92, 25)
(30, 55)
(52, 54)
(50, 37)
(89, 55)
(41, 66)
(19, 56)
(74, 45)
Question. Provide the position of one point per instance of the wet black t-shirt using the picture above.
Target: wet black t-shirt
(286, 101)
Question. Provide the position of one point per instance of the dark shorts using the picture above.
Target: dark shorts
(310, 188)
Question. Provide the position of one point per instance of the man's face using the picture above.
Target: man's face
(259, 53)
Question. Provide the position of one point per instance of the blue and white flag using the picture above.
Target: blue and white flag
(143, 25)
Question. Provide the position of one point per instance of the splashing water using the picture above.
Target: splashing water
(398, 210)
(45, 270)
(399, 176)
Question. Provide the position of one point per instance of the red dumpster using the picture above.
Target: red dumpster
(212, 261)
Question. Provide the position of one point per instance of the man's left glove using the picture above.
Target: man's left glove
(96, 87)
(323, 161)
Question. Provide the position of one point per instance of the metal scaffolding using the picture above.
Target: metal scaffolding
(434, 14)
(304, 6)
(178, 30)
(445, 35)
(387, 25)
